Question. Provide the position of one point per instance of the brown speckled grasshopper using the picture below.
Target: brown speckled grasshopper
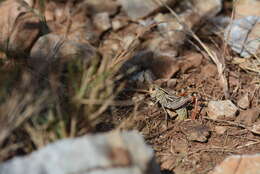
(170, 101)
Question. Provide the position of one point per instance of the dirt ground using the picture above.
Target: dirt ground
(180, 146)
(174, 150)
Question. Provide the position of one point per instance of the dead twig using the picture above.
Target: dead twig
(234, 124)
(221, 149)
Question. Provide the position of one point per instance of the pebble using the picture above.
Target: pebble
(220, 108)
(137, 10)
(102, 21)
(195, 131)
(244, 102)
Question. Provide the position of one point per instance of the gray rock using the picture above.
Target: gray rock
(110, 153)
(243, 35)
(221, 108)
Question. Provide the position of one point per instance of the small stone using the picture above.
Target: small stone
(248, 116)
(191, 60)
(171, 83)
(119, 22)
(256, 128)
(148, 76)
(208, 8)
(239, 164)
(219, 108)
(195, 131)
(244, 102)
(137, 10)
(143, 77)
(171, 114)
(220, 129)
(102, 21)
(164, 67)
(99, 6)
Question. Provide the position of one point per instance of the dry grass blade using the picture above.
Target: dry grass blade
(18, 109)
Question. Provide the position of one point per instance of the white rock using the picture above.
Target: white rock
(110, 153)
(239, 164)
(221, 108)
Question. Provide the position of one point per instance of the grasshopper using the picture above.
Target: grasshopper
(170, 101)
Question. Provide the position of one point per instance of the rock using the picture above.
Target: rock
(248, 116)
(220, 129)
(119, 22)
(242, 35)
(171, 29)
(51, 49)
(195, 131)
(244, 102)
(256, 128)
(143, 77)
(191, 60)
(207, 9)
(163, 67)
(161, 46)
(171, 83)
(224, 108)
(209, 70)
(136, 10)
(239, 164)
(19, 28)
(99, 6)
(110, 153)
(102, 21)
